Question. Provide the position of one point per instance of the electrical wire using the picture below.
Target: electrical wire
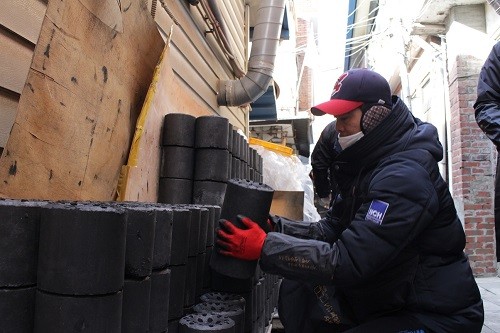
(352, 46)
(365, 20)
(365, 43)
(357, 42)
(356, 9)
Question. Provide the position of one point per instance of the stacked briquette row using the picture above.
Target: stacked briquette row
(130, 267)
(100, 266)
(177, 159)
(199, 156)
(253, 200)
(19, 229)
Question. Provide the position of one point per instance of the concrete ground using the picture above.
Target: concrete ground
(490, 291)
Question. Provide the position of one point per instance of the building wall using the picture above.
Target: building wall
(492, 21)
(198, 60)
(285, 73)
(305, 72)
(473, 158)
(472, 16)
(473, 164)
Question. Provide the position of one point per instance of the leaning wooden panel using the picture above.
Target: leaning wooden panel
(167, 94)
(8, 107)
(79, 106)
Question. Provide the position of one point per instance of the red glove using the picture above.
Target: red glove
(239, 243)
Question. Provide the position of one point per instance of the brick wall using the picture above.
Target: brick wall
(305, 85)
(473, 163)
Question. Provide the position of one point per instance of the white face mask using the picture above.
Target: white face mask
(347, 141)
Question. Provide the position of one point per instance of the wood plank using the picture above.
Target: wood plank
(109, 12)
(77, 112)
(15, 57)
(24, 17)
(8, 110)
(167, 94)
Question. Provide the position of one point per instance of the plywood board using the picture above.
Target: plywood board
(139, 179)
(108, 12)
(78, 109)
(8, 107)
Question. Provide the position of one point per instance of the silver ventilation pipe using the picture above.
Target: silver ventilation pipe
(266, 36)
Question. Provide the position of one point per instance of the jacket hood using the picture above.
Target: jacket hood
(399, 131)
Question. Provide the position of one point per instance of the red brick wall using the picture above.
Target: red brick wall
(305, 85)
(473, 163)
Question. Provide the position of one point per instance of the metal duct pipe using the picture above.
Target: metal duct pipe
(266, 36)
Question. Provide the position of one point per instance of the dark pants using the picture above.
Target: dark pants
(394, 324)
(497, 208)
(300, 311)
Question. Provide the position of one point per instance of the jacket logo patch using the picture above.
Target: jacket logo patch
(376, 212)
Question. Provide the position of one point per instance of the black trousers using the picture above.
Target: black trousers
(401, 323)
(497, 208)
(300, 311)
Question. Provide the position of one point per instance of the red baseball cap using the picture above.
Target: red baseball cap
(354, 88)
